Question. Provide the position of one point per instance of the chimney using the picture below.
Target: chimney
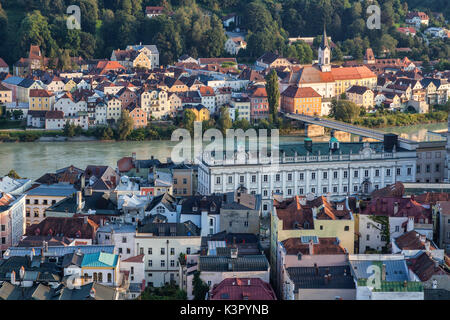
(79, 201)
(311, 247)
(383, 272)
(423, 238)
(83, 182)
(13, 277)
(22, 272)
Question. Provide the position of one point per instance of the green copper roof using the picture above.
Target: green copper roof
(395, 286)
(100, 259)
(333, 139)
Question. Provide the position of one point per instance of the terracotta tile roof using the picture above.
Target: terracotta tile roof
(420, 14)
(296, 92)
(393, 190)
(67, 227)
(5, 199)
(398, 207)
(352, 73)
(412, 240)
(54, 114)
(243, 289)
(329, 245)
(136, 259)
(425, 267)
(40, 93)
(206, 91)
(432, 197)
(3, 64)
(259, 92)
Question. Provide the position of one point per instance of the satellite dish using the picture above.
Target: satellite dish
(310, 196)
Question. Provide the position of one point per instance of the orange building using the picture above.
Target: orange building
(138, 115)
(301, 101)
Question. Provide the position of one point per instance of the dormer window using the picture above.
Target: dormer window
(194, 209)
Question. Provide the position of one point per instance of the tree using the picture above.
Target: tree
(344, 110)
(13, 174)
(200, 288)
(69, 129)
(224, 120)
(188, 121)
(125, 125)
(273, 93)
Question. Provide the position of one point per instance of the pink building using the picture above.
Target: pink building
(259, 105)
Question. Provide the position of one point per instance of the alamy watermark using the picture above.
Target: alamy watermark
(374, 20)
(74, 20)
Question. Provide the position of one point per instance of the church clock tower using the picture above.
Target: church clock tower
(325, 54)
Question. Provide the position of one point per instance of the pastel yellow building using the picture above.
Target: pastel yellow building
(297, 217)
(41, 100)
(201, 112)
(350, 76)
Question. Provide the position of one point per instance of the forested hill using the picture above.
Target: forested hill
(196, 28)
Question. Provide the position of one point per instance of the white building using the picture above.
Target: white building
(335, 169)
(119, 235)
(162, 244)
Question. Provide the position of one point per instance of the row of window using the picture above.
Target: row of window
(314, 175)
(163, 263)
(43, 202)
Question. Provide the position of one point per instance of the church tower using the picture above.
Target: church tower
(325, 54)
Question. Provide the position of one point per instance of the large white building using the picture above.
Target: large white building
(335, 169)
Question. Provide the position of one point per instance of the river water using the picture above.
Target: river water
(34, 159)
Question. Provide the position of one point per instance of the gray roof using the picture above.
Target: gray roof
(239, 264)
(187, 228)
(55, 190)
(396, 270)
(58, 251)
(307, 278)
(118, 228)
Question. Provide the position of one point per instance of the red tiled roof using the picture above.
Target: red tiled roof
(3, 64)
(54, 114)
(406, 207)
(325, 246)
(296, 92)
(139, 258)
(40, 93)
(68, 227)
(425, 267)
(243, 289)
(412, 240)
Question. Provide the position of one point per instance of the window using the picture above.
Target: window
(188, 250)
(172, 251)
(241, 179)
(368, 237)
(150, 263)
(346, 228)
(399, 172)
(366, 173)
(95, 278)
(277, 177)
(313, 190)
(265, 178)
(345, 174)
(289, 176)
(325, 175)
(355, 174)
(355, 188)
(150, 251)
(397, 228)
(335, 174)
(321, 227)
(428, 168)
(345, 189)
(163, 251)
(124, 239)
(109, 277)
(324, 190)
(301, 176)
(163, 263)
(377, 173)
(437, 167)
(217, 180)
(230, 179)
(388, 172)
(300, 191)
(418, 169)
(289, 191)
(253, 178)
(335, 189)
(313, 176)
(172, 263)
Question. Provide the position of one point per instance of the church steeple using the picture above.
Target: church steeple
(325, 53)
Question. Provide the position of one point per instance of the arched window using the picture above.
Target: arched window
(95, 276)
(109, 277)
(100, 277)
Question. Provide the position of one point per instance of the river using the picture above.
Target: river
(34, 159)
